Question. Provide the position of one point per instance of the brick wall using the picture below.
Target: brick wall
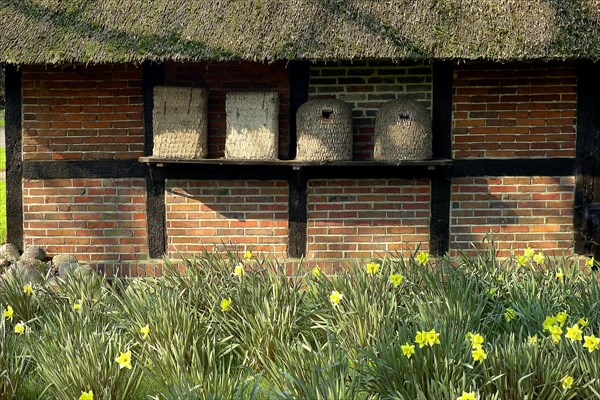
(516, 212)
(367, 218)
(514, 110)
(220, 78)
(82, 113)
(366, 86)
(101, 221)
(244, 215)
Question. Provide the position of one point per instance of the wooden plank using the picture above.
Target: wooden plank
(297, 214)
(101, 169)
(514, 167)
(14, 171)
(153, 75)
(439, 222)
(298, 76)
(587, 174)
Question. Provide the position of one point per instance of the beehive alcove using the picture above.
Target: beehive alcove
(180, 122)
(403, 131)
(324, 129)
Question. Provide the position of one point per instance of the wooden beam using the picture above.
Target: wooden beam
(153, 75)
(513, 167)
(101, 169)
(14, 171)
(439, 222)
(298, 76)
(297, 214)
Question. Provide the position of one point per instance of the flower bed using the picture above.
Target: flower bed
(463, 328)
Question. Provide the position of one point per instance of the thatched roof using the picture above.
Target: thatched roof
(97, 31)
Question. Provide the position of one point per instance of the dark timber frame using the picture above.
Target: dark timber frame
(14, 171)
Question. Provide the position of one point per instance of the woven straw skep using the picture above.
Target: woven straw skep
(402, 131)
(324, 131)
(180, 122)
(252, 125)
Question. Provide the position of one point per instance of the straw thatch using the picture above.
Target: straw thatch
(98, 31)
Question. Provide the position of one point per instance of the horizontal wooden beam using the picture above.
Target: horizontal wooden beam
(513, 167)
(99, 169)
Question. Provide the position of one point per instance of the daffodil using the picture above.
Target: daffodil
(239, 270)
(432, 337)
(316, 272)
(567, 382)
(124, 360)
(549, 322)
(591, 343)
(145, 331)
(248, 255)
(539, 258)
(423, 258)
(492, 292)
(583, 322)
(529, 252)
(335, 297)
(396, 279)
(532, 340)
(476, 340)
(372, 268)
(522, 260)
(479, 354)
(28, 289)
(77, 305)
(555, 333)
(8, 313)
(589, 262)
(510, 314)
(467, 396)
(87, 396)
(561, 318)
(225, 304)
(421, 339)
(408, 350)
(560, 275)
(574, 333)
(20, 328)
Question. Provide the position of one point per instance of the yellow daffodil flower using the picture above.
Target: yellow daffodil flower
(8, 313)
(479, 354)
(372, 268)
(423, 258)
(145, 331)
(421, 339)
(408, 350)
(20, 328)
(87, 396)
(532, 340)
(432, 337)
(225, 304)
(555, 333)
(28, 289)
(549, 322)
(510, 314)
(539, 258)
(529, 252)
(583, 322)
(561, 318)
(522, 260)
(574, 333)
(589, 262)
(476, 340)
(248, 255)
(560, 275)
(591, 343)
(567, 382)
(124, 360)
(316, 272)
(335, 297)
(239, 270)
(77, 305)
(467, 396)
(396, 279)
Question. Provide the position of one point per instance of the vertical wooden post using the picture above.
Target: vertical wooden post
(153, 75)
(441, 183)
(14, 171)
(299, 75)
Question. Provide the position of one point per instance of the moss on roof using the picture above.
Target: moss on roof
(98, 31)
